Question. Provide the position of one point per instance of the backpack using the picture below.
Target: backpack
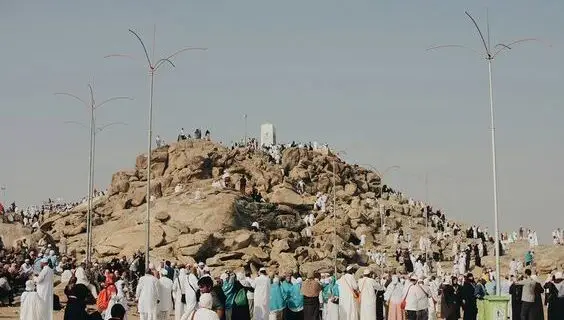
(241, 298)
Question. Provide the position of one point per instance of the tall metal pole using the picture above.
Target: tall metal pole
(489, 55)
(3, 188)
(382, 215)
(91, 106)
(148, 196)
(153, 67)
(245, 129)
(335, 215)
(90, 179)
(494, 171)
(426, 214)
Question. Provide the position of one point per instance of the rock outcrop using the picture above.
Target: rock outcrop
(194, 220)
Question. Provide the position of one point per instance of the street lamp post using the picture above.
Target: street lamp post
(382, 174)
(490, 55)
(3, 189)
(245, 116)
(427, 215)
(336, 154)
(91, 106)
(153, 65)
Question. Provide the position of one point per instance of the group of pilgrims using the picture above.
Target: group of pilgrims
(186, 292)
(32, 216)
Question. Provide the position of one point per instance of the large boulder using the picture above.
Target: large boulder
(237, 240)
(325, 265)
(287, 196)
(120, 183)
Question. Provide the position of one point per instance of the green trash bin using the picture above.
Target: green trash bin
(495, 308)
(481, 304)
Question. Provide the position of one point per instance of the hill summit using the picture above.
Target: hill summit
(197, 216)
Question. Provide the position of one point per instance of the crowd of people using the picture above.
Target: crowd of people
(32, 216)
(191, 292)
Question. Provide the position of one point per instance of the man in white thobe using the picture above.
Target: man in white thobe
(262, 296)
(31, 305)
(165, 295)
(367, 288)
(44, 283)
(147, 295)
(348, 292)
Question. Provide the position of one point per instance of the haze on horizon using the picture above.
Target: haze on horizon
(354, 75)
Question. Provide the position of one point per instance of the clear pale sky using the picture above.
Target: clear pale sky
(352, 73)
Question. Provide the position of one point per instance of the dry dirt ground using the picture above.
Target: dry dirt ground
(14, 313)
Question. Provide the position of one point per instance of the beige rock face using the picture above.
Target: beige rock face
(286, 196)
(203, 223)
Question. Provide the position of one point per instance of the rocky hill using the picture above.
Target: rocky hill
(204, 222)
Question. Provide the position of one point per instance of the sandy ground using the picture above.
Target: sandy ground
(14, 313)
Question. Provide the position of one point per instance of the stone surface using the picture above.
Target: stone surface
(205, 223)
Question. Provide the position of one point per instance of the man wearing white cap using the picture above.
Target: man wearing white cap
(31, 306)
(417, 299)
(368, 288)
(165, 295)
(147, 295)
(348, 296)
(44, 283)
(262, 296)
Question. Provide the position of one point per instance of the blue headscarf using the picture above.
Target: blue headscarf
(296, 299)
(229, 291)
(276, 298)
(330, 289)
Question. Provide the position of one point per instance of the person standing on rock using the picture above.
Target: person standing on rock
(262, 296)
(147, 295)
(243, 184)
(44, 283)
(348, 296)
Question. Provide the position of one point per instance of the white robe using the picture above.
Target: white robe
(81, 278)
(179, 288)
(205, 314)
(367, 287)
(262, 298)
(348, 306)
(147, 294)
(44, 283)
(116, 299)
(165, 294)
(190, 290)
(31, 307)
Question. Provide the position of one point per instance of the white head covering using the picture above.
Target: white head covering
(29, 285)
(151, 266)
(206, 301)
(558, 275)
(164, 272)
